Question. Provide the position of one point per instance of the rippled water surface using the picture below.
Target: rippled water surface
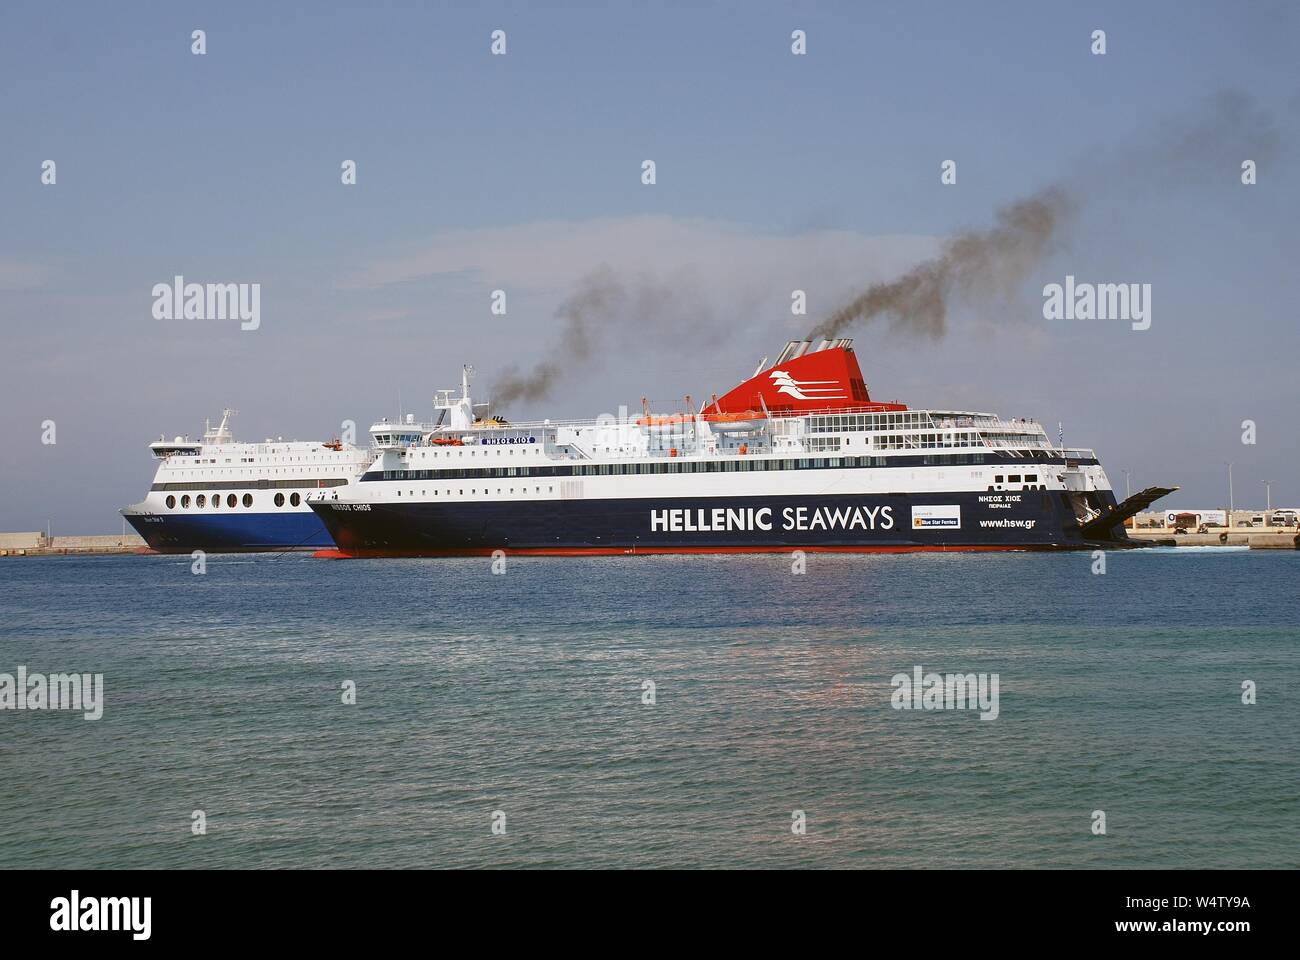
(523, 693)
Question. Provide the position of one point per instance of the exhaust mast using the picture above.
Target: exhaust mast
(798, 348)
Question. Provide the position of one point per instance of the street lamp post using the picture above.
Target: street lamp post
(1268, 495)
(1229, 491)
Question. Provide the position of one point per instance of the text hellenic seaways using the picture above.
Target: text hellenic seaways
(725, 519)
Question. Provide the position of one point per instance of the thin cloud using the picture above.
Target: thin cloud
(554, 255)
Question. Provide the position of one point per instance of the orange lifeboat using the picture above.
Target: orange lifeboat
(663, 420)
(741, 422)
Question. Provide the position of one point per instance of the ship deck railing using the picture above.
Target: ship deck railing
(939, 421)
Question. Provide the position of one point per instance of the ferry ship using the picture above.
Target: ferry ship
(216, 494)
(799, 456)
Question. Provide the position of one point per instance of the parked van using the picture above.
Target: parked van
(1283, 518)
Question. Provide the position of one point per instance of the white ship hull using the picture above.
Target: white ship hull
(220, 495)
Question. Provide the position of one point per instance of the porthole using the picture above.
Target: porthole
(185, 501)
(216, 500)
(231, 501)
(171, 502)
(248, 499)
(279, 499)
(200, 501)
(294, 499)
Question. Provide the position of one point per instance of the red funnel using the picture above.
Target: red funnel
(825, 380)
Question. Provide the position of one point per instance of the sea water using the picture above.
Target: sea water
(655, 711)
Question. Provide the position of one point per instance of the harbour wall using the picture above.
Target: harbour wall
(1279, 538)
(39, 545)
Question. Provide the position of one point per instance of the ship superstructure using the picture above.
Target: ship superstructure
(221, 495)
(799, 456)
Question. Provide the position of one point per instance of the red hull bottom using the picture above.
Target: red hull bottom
(336, 554)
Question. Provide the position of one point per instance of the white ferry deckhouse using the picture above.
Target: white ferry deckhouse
(797, 457)
(218, 495)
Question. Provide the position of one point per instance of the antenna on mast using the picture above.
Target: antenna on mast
(222, 433)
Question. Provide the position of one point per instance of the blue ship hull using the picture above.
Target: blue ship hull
(232, 532)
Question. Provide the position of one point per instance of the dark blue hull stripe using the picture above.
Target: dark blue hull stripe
(1029, 519)
(181, 533)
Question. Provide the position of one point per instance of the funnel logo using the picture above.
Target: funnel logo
(806, 389)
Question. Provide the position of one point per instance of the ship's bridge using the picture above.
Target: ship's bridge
(182, 446)
(397, 436)
(185, 447)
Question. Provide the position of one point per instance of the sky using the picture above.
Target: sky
(523, 173)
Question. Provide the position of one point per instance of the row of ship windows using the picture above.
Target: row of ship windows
(231, 501)
(499, 451)
(839, 423)
(901, 441)
(701, 466)
(1029, 479)
(263, 484)
(197, 460)
(1030, 482)
(928, 441)
(474, 492)
(869, 421)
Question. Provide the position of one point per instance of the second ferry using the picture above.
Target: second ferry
(799, 456)
(217, 494)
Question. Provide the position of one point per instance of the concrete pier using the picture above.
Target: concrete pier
(1281, 538)
(39, 545)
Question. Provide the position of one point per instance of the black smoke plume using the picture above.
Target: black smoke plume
(600, 296)
(974, 266)
(984, 268)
